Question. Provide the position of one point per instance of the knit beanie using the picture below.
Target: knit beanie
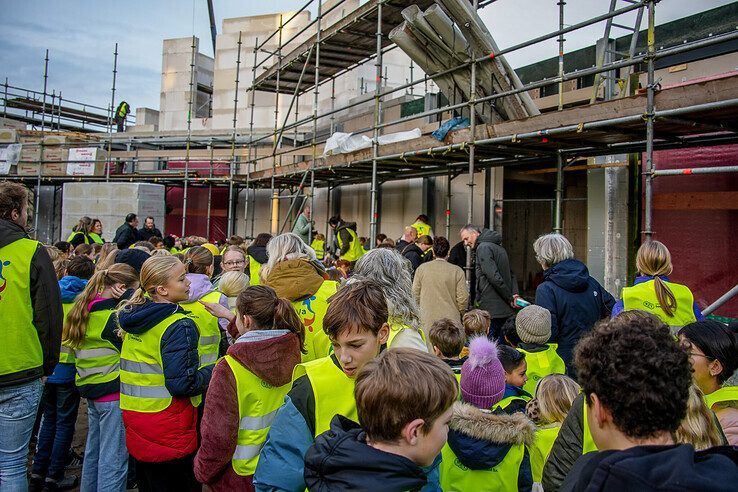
(482, 375)
(133, 257)
(533, 324)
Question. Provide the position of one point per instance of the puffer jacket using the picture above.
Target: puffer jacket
(414, 255)
(495, 282)
(172, 433)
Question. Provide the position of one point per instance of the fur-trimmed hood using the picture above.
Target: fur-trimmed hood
(481, 439)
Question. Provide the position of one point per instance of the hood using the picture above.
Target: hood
(488, 236)
(571, 275)
(346, 225)
(259, 253)
(199, 286)
(481, 439)
(145, 316)
(295, 279)
(70, 287)
(10, 232)
(270, 354)
(341, 460)
(412, 247)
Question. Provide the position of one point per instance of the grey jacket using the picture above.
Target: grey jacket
(495, 282)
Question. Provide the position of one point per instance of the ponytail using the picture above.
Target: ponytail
(666, 297)
(138, 298)
(286, 318)
(270, 312)
(654, 259)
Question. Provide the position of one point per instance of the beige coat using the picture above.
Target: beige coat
(440, 290)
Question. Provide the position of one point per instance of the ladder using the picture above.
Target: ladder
(605, 53)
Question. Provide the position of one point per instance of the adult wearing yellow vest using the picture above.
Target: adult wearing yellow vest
(295, 274)
(356, 323)
(349, 247)
(121, 112)
(90, 331)
(213, 342)
(31, 336)
(257, 256)
(161, 377)
(713, 353)
(81, 233)
(421, 225)
(96, 232)
(654, 293)
(318, 246)
(247, 389)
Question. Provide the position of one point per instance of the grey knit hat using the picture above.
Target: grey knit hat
(533, 324)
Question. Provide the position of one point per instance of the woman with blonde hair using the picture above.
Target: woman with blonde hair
(107, 257)
(81, 233)
(699, 427)
(161, 380)
(90, 330)
(654, 293)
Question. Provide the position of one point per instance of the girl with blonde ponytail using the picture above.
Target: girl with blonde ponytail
(653, 292)
(90, 329)
(248, 385)
(161, 381)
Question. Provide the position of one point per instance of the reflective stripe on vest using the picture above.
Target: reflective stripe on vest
(258, 403)
(18, 338)
(355, 249)
(505, 402)
(142, 387)
(311, 312)
(541, 448)
(97, 360)
(254, 267)
(727, 393)
(588, 444)
(541, 364)
(422, 228)
(332, 389)
(456, 477)
(66, 354)
(319, 248)
(396, 329)
(207, 325)
(643, 296)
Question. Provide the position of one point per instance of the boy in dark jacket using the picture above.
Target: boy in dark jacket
(622, 364)
(448, 338)
(389, 454)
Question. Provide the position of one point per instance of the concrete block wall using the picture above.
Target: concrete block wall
(110, 202)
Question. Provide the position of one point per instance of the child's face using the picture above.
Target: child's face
(177, 288)
(430, 444)
(354, 348)
(518, 376)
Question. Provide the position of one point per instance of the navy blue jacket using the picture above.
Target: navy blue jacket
(576, 301)
(179, 355)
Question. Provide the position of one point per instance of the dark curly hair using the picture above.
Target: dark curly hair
(637, 371)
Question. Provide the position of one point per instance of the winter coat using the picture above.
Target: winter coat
(269, 354)
(401, 244)
(145, 234)
(414, 255)
(45, 300)
(258, 253)
(342, 460)
(457, 256)
(346, 239)
(727, 415)
(295, 279)
(481, 440)
(302, 228)
(576, 302)
(440, 290)
(567, 447)
(125, 236)
(200, 285)
(172, 433)
(495, 282)
(69, 288)
(644, 468)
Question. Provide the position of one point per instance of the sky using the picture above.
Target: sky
(81, 36)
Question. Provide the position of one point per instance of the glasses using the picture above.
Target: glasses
(695, 354)
(234, 263)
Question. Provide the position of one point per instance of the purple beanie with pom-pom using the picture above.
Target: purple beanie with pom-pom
(482, 375)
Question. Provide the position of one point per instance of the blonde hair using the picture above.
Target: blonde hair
(555, 394)
(654, 259)
(53, 252)
(198, 259)
(161, 252)
(155, 271)
(476, 322)
(698, 427)
(233, 283)
(75, 324)
(287, 246)
(108, 254)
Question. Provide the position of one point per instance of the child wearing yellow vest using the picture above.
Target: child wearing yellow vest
(515, 397)
(356, 323)
(390, 454)
(486, 451)
(247, 388)
(533, 327)
(447, 338)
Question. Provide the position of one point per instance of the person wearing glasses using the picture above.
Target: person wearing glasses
(234, 260)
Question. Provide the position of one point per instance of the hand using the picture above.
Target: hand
(512, 303)
(117, 291)
(218, 310)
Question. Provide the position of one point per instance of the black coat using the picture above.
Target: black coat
(414, 255)
(145, 234)
(495, 282)
(125, 236)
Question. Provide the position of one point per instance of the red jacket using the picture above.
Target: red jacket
(163, 436)
(272, 360)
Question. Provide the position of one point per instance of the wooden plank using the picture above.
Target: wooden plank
(704, 200)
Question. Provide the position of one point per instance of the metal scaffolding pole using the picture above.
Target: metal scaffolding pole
(559, 194)
(448, 205)
(189, 135)
(251, 148)
(472, 136)
(41, 148)
(375, 133)
(561, 4)
(231, 208)
(274, 220)
(315, 118)
(111, 117)
(210, 192)
(650, 117)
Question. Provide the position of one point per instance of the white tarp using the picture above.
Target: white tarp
(9, 156)
(345, 143)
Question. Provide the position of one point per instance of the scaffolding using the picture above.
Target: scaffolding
(246, 159)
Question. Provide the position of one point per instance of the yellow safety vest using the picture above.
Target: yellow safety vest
(396, 329)
(96, 238)
(18, 338)
(97, 360)
(455, 477)
(355, 250)
(643, 296)
(505, 402)
(254, 267)
(319, 248)
(332, 389)
(208, 327)
(142, 387)
(422, 228)
(727, 393)
(545, 437)
(541, 364)
(311, 312)
(258, 403)
(74, 233)
(588, 444)
(66, 354)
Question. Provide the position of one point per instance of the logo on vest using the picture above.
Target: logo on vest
(3, 280)
(458, 464)
(266, 385)
(308, 322)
